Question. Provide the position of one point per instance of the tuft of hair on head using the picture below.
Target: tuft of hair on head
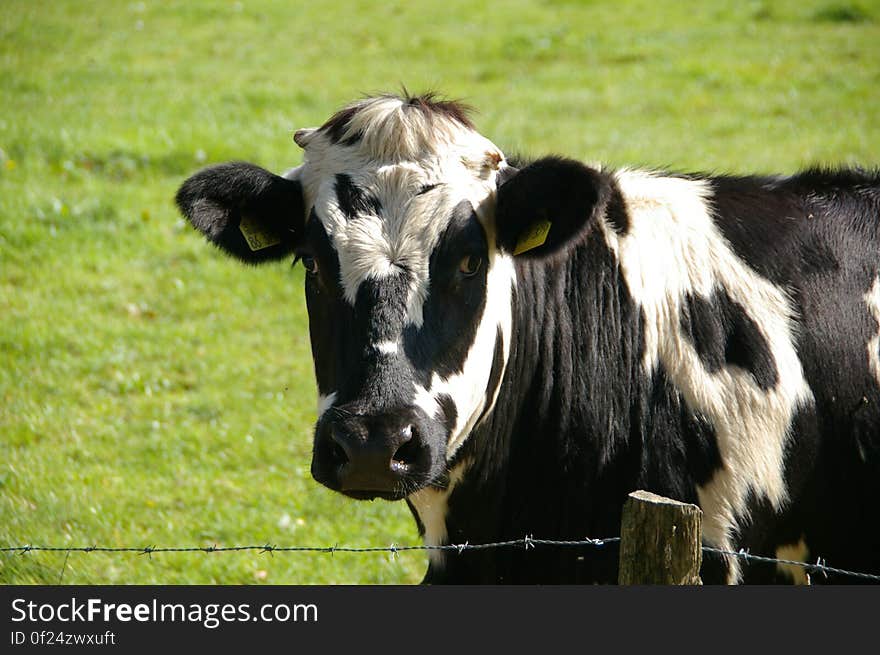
(432, 103)
(390, 126)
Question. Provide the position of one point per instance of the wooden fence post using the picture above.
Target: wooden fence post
(660, 541)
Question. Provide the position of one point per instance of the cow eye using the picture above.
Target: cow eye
(310, 264)
(470, 265)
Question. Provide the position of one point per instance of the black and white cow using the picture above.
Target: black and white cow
(514, 348)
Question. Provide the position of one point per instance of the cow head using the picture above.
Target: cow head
(409, 274)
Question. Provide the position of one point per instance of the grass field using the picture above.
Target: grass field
(155, 393)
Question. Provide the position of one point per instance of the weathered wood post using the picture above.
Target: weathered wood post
(660, 541)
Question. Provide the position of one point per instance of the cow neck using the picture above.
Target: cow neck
(574, 354)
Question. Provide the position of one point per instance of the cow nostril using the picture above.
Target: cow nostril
(406, 453)
(337, 453)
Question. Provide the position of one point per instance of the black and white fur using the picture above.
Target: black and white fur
(714, 339)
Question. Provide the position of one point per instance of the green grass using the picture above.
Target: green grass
(153, 392)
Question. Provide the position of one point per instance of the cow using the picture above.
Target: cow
(513, 346)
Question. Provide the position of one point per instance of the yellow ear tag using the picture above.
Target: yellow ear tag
(257, 238)
(535, 236)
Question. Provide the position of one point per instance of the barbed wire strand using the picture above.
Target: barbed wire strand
(528, 542)
(818, 567)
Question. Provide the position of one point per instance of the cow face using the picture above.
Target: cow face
(409, 278)
(406, 298)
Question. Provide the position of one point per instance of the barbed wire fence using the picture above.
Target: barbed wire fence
(819, 567)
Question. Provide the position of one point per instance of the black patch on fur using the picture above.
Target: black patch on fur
(450, 413)
(426, 188)
(330, 317)
(337, 126)
(419, 525)
(380, 307)
(788, 228)
(763, 529)
(496, 370)
(217, 198)
(701, 447)
(724, 334)
(818, 256)
(344, 336)
(353, 200)
(677, 439)
(616, 214)
(693, 445)
(454, 306)
(365, 379)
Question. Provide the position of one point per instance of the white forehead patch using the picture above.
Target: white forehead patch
(400, 151)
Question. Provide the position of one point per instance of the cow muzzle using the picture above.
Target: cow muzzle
(365, 456)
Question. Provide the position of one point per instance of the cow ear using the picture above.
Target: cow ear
(250, 213)
(548, 205)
